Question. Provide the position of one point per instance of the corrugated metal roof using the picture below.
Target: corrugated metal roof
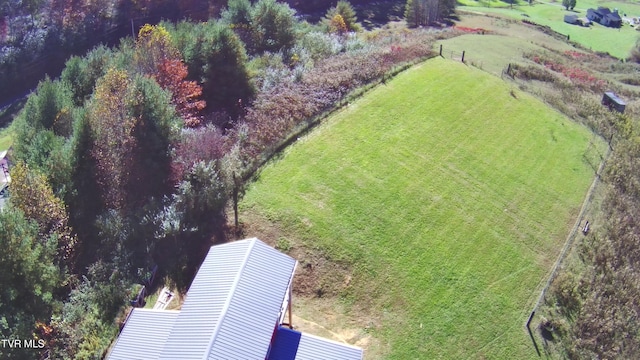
(230, 312)
(205, 302)
(317, 348)
(232, 307)
(144, 335)
(254, 307)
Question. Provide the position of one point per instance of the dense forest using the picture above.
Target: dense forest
(37, 36)
(126, 161)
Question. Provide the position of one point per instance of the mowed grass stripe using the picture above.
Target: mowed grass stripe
(449, 197)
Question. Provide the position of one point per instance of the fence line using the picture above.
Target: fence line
(570, 238)
(453, 52)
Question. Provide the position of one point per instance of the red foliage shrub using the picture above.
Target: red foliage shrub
(470, 30)
(171, 76)
(580, 56)
(578, 76)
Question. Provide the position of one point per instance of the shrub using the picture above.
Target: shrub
(320, 45)
(203, 144)
(635, 53)
(564, 291)
(272, 26)
(283, 244)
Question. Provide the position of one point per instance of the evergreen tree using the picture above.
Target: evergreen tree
(569, 4)
(237, 13)
(29, 280)
(427, 12)
(413, 13)
(132, 124)
(216, 59)
(273, 26)
(346, 14)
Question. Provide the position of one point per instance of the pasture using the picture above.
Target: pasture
(617, 42)
(445, 195)
(6, 138)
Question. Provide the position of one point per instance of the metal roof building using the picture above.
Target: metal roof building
(293, 345)
(145, 334)
(232, 310)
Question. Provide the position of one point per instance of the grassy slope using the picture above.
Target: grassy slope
(6, 139)
(491, 53)
(6, 123)
(597, 37)
(6, 134)
(449, 197)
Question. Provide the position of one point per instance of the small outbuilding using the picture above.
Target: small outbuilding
(572, 19)
(613, 102)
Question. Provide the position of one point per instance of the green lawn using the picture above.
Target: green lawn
(491, 53)
(6, 123)
(449, 194)
(6, 138)
(617, 42)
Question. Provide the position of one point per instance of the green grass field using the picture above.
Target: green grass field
(449, 194)
(491, 53)
(6, 123)
(6, 138)
(617, 42)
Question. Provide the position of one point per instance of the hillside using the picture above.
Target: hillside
(444, 197)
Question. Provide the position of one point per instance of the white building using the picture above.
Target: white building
(234, 309)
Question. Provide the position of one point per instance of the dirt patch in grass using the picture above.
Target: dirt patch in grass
(326, 317)
(316, 276)
(319, 285)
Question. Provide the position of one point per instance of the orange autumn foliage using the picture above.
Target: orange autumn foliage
(157, 57)
(171, 76)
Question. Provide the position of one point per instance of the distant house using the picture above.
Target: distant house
(234, 309)
(605, 17)
(612, 20)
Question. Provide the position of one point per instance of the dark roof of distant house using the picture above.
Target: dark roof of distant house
(613, 16)
(572, 17)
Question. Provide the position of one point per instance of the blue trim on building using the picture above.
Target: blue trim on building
(285, 344)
